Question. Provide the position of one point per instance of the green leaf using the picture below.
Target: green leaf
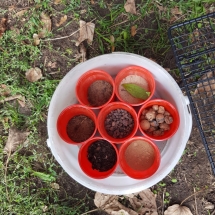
(174, 180)
(44, 177)
(136, 91)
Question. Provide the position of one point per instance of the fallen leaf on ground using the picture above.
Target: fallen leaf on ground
(112, 39)
(120, 212)
(167, 69)
(133, 30)
(130, 7)
(19, 98)
(55, 186)
(92, 2)
(161, 8)
(36, 39)
(46, 25)
(209, 206)
(57, 1)
(34, 74)
(83, 11)
(147, 203)
(3, 23)
(177, 210)
(52, 65)
(110, 204)
(20, 13)
(86, 32)
(21, 101)
(62, 20)
(176, 11)
(15, 138)
(12, 7)
(82, 53)
(4, 90)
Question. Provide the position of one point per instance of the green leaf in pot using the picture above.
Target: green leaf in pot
(136, 91)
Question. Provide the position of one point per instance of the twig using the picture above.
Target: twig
(195, 200)
(191, 196)
(213, 212)
(5, 175)
(11, 98)
(163, 202)
(90, 211)
(60, 38)
(119, 23)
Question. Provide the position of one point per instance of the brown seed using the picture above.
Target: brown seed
(164, 126)
(161, 109)
(168, 119)
(160, 118)
(145, 125)
(150, 115)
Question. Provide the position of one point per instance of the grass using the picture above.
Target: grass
(32, 170)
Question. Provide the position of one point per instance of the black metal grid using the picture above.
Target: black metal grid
(193, 44)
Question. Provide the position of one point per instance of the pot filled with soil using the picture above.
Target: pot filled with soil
(76, 124)
(134, 85)
(139, 157)
(95, 89)
(158, 120)
(117, 122)
(98, 158)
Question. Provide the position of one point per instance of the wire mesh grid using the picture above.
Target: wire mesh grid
(193, 44)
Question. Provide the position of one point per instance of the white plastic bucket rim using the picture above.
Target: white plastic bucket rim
(171, 150)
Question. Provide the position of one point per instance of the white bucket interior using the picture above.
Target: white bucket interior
(171, 150)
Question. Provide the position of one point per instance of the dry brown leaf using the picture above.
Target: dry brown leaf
(147, 203)
(161, 8)
(177, 210)
(55, 186)
(209, 206)
(86, 32)
(36, 39)
(52, 65)
(62, 20)
(130, 7)
(112, 39)
(34, 74)
(46, 26)
(4, 90)
(21, 101)
(110, 204)
(12, 7)
(82, 54)
(176, 11)
(57, 1)
(92, 2)
(120, 212)
(15, 139)
(3, 23)
(133, 30)
(20, 13)
(83, 11)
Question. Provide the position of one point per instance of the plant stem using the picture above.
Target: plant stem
(90, 211)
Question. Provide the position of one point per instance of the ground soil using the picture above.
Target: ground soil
(193, 171)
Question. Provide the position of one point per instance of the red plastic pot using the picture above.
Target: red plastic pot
(173, 112)
(139, 71)
(139, 174)
(86, 80)
(68, 113)
(86, 165)
(103, 114)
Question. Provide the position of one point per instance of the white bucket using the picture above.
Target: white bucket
(171, 150)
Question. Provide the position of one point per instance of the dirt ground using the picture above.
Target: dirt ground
(193, 171)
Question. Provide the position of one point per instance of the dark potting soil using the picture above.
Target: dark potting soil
(80, 128)
(119, 123)
(99, 93)
(102, 155)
